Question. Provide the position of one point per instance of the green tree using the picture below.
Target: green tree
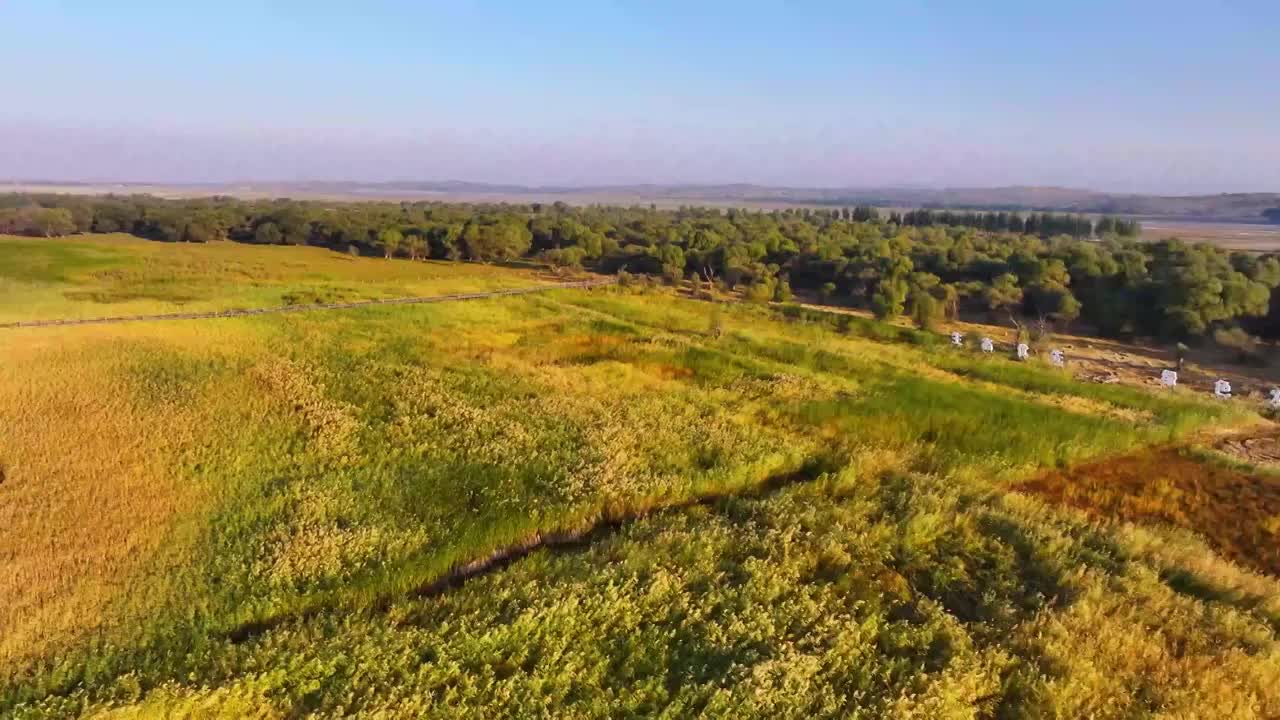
(893, 273)
(761, 290)
(268, 233)
(115, 216)
(1053, 301)
(415, 245)
(490, 240)
(1003, 293)
(948, 296)
(295, 224)
(570, 257)
(204, 225)
(782, 292)
(390, 240)
(924, 308)
(51, 222)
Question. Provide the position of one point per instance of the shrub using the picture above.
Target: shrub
(570, 257)
(761, 291)
(926, 311)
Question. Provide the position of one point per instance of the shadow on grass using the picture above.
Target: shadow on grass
(570, 539)
(1189, 583)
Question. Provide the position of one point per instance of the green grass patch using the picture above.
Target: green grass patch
(112, 275)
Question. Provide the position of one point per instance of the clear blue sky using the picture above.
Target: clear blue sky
(1131, 96)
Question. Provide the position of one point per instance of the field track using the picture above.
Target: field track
(305, 308)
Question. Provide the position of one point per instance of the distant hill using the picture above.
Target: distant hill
(1242, 207)
(1234, 207)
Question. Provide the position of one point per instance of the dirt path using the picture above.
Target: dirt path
(306, 308)
(1259, 449)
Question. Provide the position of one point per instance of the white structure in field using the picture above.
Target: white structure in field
(1169, 378)
(1057, 358)
(957, 339)
(1275, 398)
(987, 345)
(1024, 351)
(1222, 389)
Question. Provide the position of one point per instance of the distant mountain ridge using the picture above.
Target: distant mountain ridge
(1236, 207)
(1246, 207)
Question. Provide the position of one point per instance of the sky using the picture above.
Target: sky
(1166, 97)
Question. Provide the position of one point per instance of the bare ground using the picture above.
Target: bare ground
(1262, 449)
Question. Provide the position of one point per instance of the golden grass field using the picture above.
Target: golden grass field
(802, 514)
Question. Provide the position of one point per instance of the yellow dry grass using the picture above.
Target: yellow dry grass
(90, 493)
(1173, 662)
(86, 515)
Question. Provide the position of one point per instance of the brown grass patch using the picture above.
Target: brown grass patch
(667, 371)
(589, 348)
(1237, 513)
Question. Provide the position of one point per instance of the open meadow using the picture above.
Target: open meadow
(1251, 237)
(118, 275)
(593, 503)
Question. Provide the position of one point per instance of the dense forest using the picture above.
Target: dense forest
(1053, 269)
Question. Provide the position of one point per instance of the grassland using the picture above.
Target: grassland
(800, 515)
(118, 275)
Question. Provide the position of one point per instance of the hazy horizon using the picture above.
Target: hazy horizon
(481, 186)
(1158, 98)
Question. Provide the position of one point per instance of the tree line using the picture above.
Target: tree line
(929, 264)
(1044, 225)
